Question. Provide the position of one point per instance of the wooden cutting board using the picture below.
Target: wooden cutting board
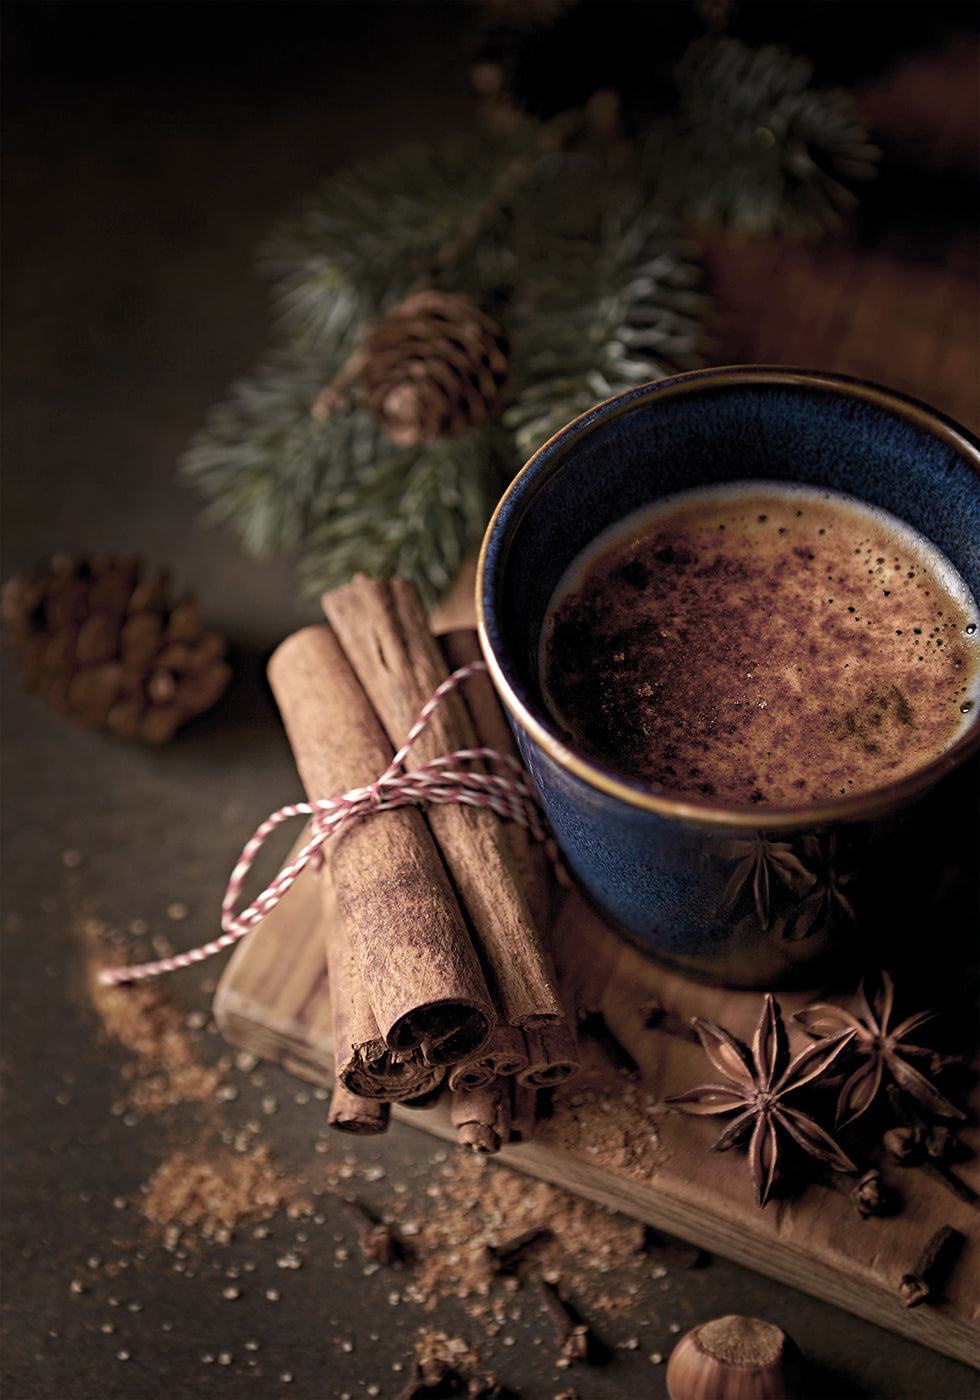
(608, 1137)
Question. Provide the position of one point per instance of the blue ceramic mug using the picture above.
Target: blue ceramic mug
(743, 896)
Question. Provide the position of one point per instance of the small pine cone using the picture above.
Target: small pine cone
(98, 641)
(435, 366)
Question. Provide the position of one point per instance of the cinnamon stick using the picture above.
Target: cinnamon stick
(533, 865)
(383, 629)
(482, 1117)
(552, 1056)
(352, 1114)
(410, 944)
(505, 1053)
(366, 1069)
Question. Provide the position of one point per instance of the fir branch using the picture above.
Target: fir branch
(751, 144)
(369, 234)
(412, 513)
(336, 492)
(267, 466)
(602, 314)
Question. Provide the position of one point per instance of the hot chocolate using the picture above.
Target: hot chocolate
(762, 644)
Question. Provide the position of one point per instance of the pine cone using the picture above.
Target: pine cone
(435, 366)
(101, 644)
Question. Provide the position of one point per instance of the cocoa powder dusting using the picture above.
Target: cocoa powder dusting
(209, 1198)
(613, 1129)
(143, 1019)
(478, 1203)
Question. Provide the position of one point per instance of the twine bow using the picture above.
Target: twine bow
(453, 777)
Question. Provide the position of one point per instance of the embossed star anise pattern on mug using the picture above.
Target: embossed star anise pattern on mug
(827, 906)
(757, 1085)
(759, 863)
(797, 888)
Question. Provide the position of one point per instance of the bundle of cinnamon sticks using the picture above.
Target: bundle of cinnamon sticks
(440, 975)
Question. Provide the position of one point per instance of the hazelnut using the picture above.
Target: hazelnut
(735, 1358)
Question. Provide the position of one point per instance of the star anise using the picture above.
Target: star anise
(757, 1086)
(880, 1048)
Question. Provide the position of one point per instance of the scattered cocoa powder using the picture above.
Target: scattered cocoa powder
(165, 1069)
(610, 1126)
(478, 1203)
(433, 1344)
(210, 1198)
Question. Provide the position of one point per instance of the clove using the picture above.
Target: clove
(655, 1017)
(930, 1148)
(484, 1387)
(501, 1258)
(871, 1196)
(431, 1379)
(379, 1243)
(932, 1267)
(576, 1340)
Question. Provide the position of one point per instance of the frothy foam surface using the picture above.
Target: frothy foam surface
(762, 644)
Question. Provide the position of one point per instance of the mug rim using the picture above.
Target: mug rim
(643, 797)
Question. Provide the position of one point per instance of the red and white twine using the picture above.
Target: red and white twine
(447, 779)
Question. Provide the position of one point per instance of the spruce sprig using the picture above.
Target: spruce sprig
(607, 299)
(263, 462)
(751, 144)
(604, 312)
(410, 513)
(369, 234)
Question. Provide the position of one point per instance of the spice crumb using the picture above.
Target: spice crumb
(211, 1198)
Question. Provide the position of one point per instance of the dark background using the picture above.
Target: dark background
(146, 148)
